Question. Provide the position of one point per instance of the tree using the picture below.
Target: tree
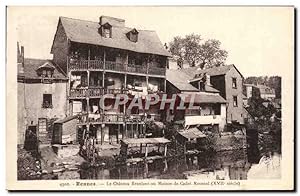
(272, 81)
(198, 52)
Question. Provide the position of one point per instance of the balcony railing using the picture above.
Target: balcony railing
(116, 118)
(114, 66)
(102, 118)
(78, 93)
(136, 69)
(157, 71)
(94, 92)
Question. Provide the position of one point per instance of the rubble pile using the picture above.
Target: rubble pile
(29, 167)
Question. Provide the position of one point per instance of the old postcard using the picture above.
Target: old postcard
(150, 98)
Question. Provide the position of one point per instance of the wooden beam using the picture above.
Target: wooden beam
(141, 149)
(103, 76)
(125, 81)
(147, 82)
(88, 78)
(166, 148)
(104, 58)
(146, 151)
(118, 132)
(126, 134)
(102, 138)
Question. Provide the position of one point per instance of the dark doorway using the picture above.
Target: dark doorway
(30, 143)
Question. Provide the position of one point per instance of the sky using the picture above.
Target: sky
(259, 40)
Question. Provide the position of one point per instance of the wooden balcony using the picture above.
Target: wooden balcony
(110, 66)
(136, 69)
(78, 93)
(156, 71)
(109, 118)
(94, 92)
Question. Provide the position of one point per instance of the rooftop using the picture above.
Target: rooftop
(32, 65)
(201, 97)
(214, 71)
(192, 133)
(83, 31)
(180, 80)
(160, 140)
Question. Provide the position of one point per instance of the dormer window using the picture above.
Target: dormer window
(133, 35)
(46, 70)
(201, 85)
(106, 30)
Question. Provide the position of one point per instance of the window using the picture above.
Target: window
(234, 85)
(106, 30)
(42, 125)
(133, 35)
(201, 86)
(106, 33)
(47, 101)
(235, 102)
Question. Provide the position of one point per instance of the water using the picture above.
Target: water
(228, 165)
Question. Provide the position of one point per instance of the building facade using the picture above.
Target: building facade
(42, 90)
(229, 82)
(106, 57)
(209, 111)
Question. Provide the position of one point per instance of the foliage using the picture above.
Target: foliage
(272, 81)
(270, 130)
(198, 52)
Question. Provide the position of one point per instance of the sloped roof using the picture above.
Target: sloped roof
(83, 31)
(265, 89)
(192, 133)
(201, 97)
(214, 71)
(251, 85)
(67, 119)
(47, 65)
(181, 81)
(159, 140)
(31, 65)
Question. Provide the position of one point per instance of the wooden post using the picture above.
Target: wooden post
(141, 149)
(126, 63)
(137, 129)
(146, 151)
(118, 132)
(88, 106)
(88, 78)
(102, 138)
(89, 57)
(125, 81)
(147, 82)
(103, 75)
(104, 58)
(148, 62)
(166, 165)
(146, 171)
(165, 152)
(123, 131)
(165, 85)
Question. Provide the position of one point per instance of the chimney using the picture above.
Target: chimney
(112, 21)
(208, 80)
(20, 58)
